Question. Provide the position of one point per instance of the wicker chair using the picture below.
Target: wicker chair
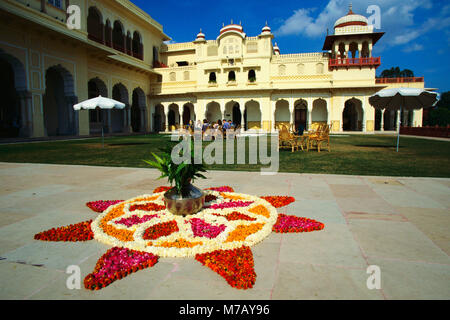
(287, 139)
(321, 136)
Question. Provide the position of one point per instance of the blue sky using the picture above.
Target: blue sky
(417, 31)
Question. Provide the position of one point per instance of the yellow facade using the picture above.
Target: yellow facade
(119, 52)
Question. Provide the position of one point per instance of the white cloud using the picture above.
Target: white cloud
(397, 16)
(414, 47)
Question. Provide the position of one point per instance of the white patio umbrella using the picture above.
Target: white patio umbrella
(403, 99)
(99, 103)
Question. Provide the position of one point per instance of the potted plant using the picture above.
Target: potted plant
(184, 198)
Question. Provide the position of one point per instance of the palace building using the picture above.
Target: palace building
(121, 52)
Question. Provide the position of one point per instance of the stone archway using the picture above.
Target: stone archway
(213, 112)
(138, 111)
(159, 118)
(59, 117)
(15, 103)
(118, 121)
(301, 115)
(352, 115)
(282, 114)
(96, 87)
(252, 115)
(188, 113)
(319, 112)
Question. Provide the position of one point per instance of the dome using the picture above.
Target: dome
(351, 19)
(232, 28)
(276, 49)
(266, 29)
(200, 36)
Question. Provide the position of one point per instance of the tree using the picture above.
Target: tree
(396, 73)
(440, 115)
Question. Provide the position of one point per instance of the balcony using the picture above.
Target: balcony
(354, 62)
(399, 80)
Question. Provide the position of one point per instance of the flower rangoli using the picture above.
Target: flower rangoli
(141, 230)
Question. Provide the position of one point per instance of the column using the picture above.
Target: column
(26, 122)
(398, 121)
(128, 128)
(109, 130)
(382, 120)
(359, 50)
(347, 50)
(72, 126)
(309, 113)
(242, 109)
(272, 121)
(43, 8)
(166, 116)
(150, 116)
(291, 113)
(328, 102)
(370, 50)
(363, 120)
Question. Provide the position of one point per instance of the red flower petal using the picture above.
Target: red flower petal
(236, 266)
(161, 189)
(160, 230)
(287, 224)
(278, 201)
(147, 207)
(75, 232)
(235, 215)
(222, 189)
(101, 205)
(116, 264)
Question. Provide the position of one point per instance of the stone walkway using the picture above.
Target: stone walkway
(400, 225)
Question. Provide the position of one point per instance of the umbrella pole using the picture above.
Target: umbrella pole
(103, 139)
(399, 124)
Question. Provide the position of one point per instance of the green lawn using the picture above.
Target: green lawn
(353, 155)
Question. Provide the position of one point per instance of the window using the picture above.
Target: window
(300, 68)
(212, 77)
(172, 76)
(56, 3)
(155, 54)
(186, 75)
(213, 51)
(252, 76)
(231, 76)
(252, 47)
(319, 68)
(282, 70)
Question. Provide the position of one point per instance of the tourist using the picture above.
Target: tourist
(226, 125)
(205, 125)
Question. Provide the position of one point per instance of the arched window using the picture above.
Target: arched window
(300, 68)
(231, 76)
(282, 70)
(212, 77)
(118, 36)
(108, 33)
(138, 49)
(186, 75)
(252, 75)
(319, 68)
(95, 25)
(129, 42)
(172, 76)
